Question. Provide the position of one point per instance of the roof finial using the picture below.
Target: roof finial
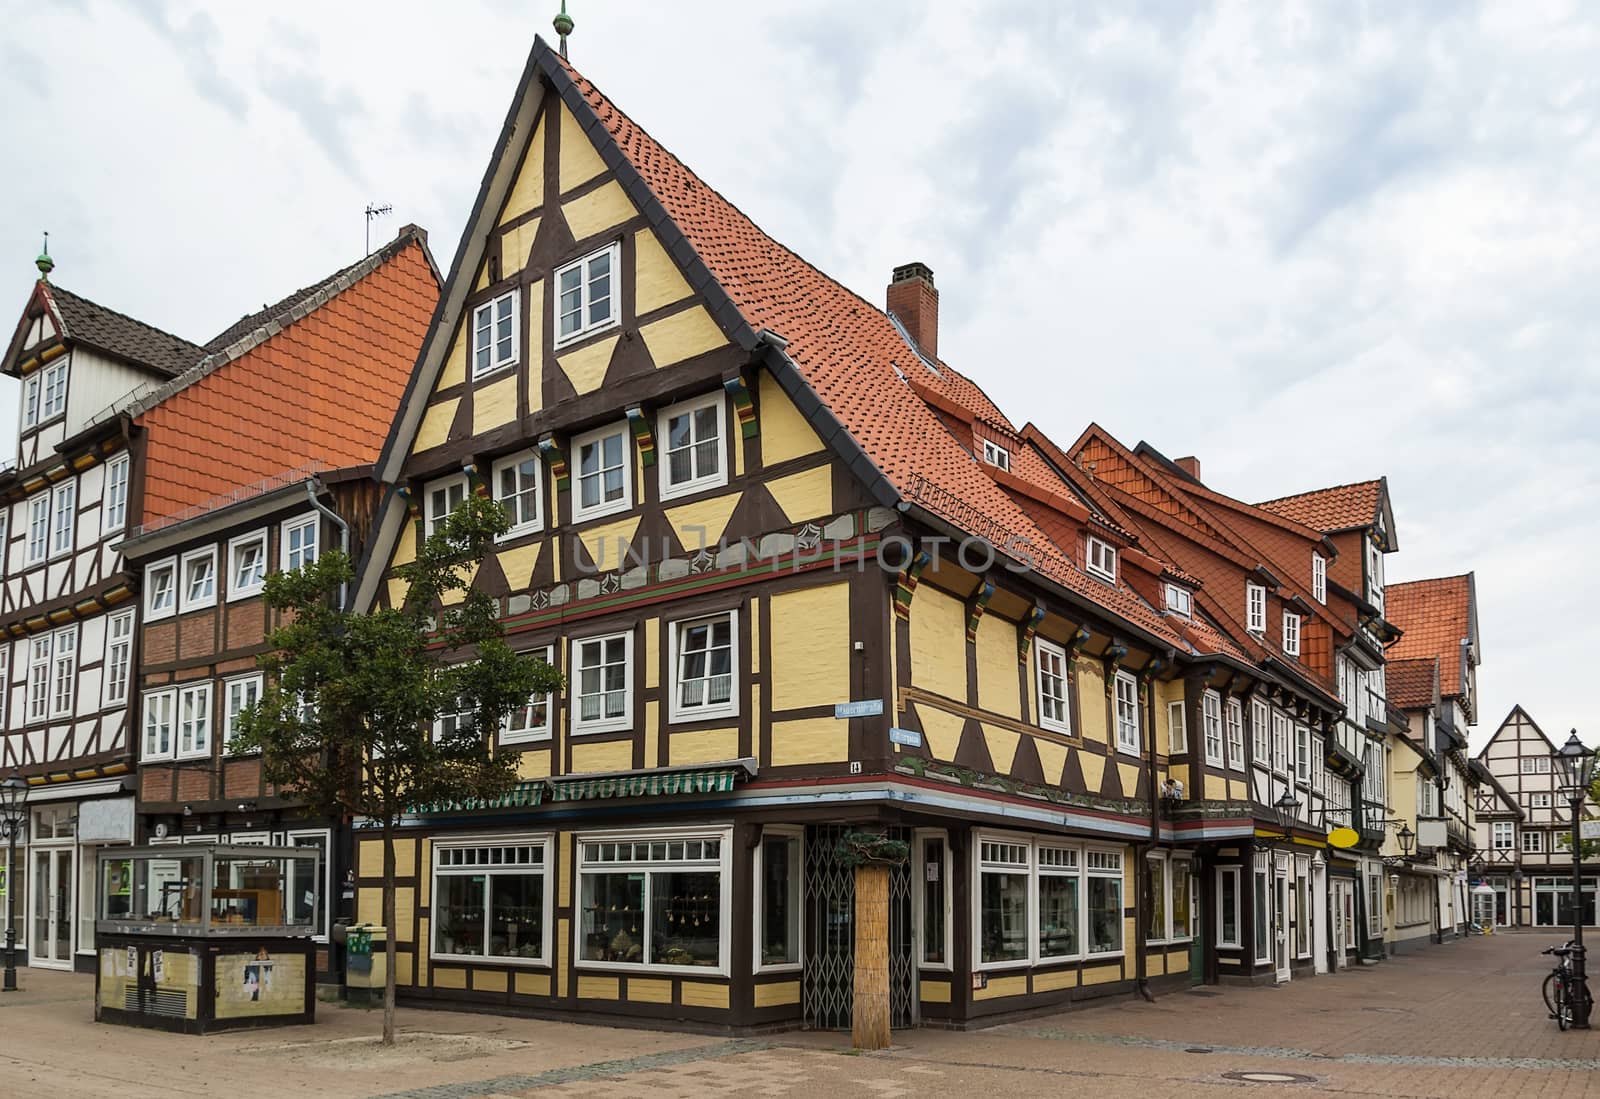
(44, 263)
(563, 25)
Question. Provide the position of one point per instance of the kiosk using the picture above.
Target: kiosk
(204, 937)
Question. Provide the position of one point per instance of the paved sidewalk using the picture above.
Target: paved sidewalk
(1459, 1020)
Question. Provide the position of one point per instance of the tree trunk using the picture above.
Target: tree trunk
(869, 1014)
(390, 931)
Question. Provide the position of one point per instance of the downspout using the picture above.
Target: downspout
(1141, 863)
(344, 533)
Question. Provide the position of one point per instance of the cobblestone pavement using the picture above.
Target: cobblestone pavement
(1459, 1020)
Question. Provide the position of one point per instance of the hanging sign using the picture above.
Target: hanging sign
(1343, 837)
(1589, 829)
(868, 707)
(913, 739)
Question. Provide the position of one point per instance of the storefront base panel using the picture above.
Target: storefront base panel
(603, 1013)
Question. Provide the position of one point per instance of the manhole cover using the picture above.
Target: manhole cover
(1270, 1077)
(1197, 1049)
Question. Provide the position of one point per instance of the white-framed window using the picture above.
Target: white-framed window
(1211, 716)
(1179, 601)
(1255, 608)
(1229, 903)
(1169, 913)
(160, 589)
(1259, 733)
(1536, 765)
(38, 527)
(703, 658)
(238, 695)
(1055, 698)
(604, 485)
(199, 573)
(494, 334)
(996, 455)
(158, 724)
(1302, 754)
(63, 670)
(440, 498)
(532, 720)
(492, 899)
(693, 441)
(1059, 888)
(114, 500)
(309, 900)
(655, 900)
(1263, 914)
(451, 722)
(1235, 734)
(516, 489)
(1503, 835)
(586, 299)
(1532, 843)
(1103, 882)
(5, 700)
(64, 504)
(55, 391)
(30, 400)
(39, 677)
(931, 898)
(1004, 900)
(1177, 728)
(778, 874)
(1280, 743)
(5, 540)
(1127, 708)
(194, 721)
(247, 564)
(1319, 577)
(602, 695)
(298, 543)
(1040, 899)
(1101, 559)
(1291, 633)
(1319, 769)
(1540, 801)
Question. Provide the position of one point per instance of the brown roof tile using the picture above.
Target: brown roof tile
(1411, 683)
(1436, 616)
(120, 335)
(1331, 509)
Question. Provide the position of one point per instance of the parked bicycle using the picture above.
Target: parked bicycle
(1561, 993)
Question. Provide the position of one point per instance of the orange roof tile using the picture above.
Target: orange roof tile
(1436, 616)
(1330, 509)
(1411, 683)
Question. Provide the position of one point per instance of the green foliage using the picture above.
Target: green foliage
(871, 848)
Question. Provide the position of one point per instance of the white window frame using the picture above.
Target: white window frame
(1174, 867)
(38, 543)
(186, 602)
(1211, 726)
(205, 717)
(511, 299)
(1236, 943)
(1100, 559)
(546, 843)
(1291, 634)
(1177, 728)
(1302, 754)
(1127, 746)
(311, 522)
(1083, 867)
(30, 400)
(996, 455)
(1045, 652)
(5, 685)
(797, 835)
(533, 733)
(433, 519)
(325, 863)
(1532, 842)
(52, 373)
(235, 546)
(601, 724)
(587, 327)
(1280, 744)
(114, 498)
(1319, 577)
(1179, 601)
(1029, 869)
(724, 836)
(511, 462)
(580, 513)
(64, 671)
(919, 877)
(1541, 799)
(1255, 608)
(37, 693)
(154, 703)
(1235, 734)
(5, 541)
(677, 712)
(669, 490)
(63, 518)
(240, 682)
(1499, 829)
(1261, 733)
(153, 613)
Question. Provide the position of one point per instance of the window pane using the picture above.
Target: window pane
(1058, 916)
(1003, 923)
(780, 900)
(1180, 900)
(685, 918)
(1156, 911)
(933, 901)
(516, 915)
(458, 915)
(1105, 915)
(613, 917)
(1229, 889)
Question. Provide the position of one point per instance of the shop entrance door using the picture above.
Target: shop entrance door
(1343, 919)
(1280, 919)
(51, 945)
(828, 979)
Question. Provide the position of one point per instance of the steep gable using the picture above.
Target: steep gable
(1437, 616)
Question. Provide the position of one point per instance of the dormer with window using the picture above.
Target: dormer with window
(1179, 600)
(1291, 634)
(1100, 559)
(1255, 608)
(1319, 577)
(996, 455)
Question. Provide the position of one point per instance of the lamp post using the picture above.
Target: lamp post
(13, 799)
(1575, 765)
(1288, 807)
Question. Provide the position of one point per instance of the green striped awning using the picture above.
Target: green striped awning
(705, 780)
(524, 795)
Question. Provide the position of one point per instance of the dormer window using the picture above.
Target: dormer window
(1319, 578)
(55, 391)
(996, 455)
(586, 298)
(1255, 608)
(494, 335)
(1291, 633)
(1179, 601)
(1101, 559)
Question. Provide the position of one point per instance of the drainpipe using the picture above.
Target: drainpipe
(1141, 866)
(344, 532)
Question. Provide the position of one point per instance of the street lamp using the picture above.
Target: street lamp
(1575, 766)
(1288, 807)
(13, 802)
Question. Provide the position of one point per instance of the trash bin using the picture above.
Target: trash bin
(366, 963)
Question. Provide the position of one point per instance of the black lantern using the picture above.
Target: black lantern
(1576, 767)
(1288, 807)
(13, 796)
(1406, 837)
(13, 810)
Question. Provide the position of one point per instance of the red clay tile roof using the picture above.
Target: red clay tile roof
(1331, 509)
(107, 330)
(1436, 616)
(1411, 683)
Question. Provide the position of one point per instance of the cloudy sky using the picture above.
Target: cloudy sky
(1310, 243)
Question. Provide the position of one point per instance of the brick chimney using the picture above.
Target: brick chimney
(915, 302)
(1190, 465)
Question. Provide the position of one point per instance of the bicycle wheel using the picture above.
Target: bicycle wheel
(1550, 982)
(1563, 1010)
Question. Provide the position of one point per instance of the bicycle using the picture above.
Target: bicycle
(1557, 990)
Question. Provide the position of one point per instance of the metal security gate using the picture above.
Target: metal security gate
(828, 982)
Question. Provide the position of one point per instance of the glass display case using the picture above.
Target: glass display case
(208, 889)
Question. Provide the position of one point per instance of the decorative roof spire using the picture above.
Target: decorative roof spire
(44, 263)
(563, 24)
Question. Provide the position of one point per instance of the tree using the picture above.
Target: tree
(369, 714)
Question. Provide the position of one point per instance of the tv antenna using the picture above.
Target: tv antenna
(375, 211)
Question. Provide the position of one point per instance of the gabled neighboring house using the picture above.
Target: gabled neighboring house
(127, 430)
(1497, 821)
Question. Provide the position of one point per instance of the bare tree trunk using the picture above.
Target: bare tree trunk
(869, 1016)
(388, 923)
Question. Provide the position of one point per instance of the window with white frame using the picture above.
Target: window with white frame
(996, 455)
(308, 898)
(1229, 902)
(39, 677)
(1177, 729)
(494, 334)
(693, 437)
(1291, 633)
(5, 705)
(1103, 884)
(247, 564)
(5, 540)
(1263, 916)
(1041, 900)
(440, 499)
(38, 528)
(1060, 877)
(114, 500)
(30, 400)
(298, 546)
(1302, 754)
(1005, 870)
(1319, 578)
(1280, 743)
(1050, 664)
(449, 723)
(931, 898)
(703, 657)
(160, 589)
(158, 724)
(1318, 758)
(531, 720)
(194, 721)
(1503, 835)
(55, 391)
(1211, 716)
(1169, 915)
(64, 670)
(1532, 843)
(516, 490)
(64, 502)
(1127, 710)
(199, 571)
(1540, 801)
(585, 295)
(1259, 733)
(492, 898)
(604, 486)
(1179, 601)
(238, 695)
(779, 870)
(1101, 559)
(1536, 765)
(603, 672)
(1255, 608)
(655, 900)
(1235, 734)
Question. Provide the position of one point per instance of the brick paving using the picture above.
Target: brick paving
(1459, 1020)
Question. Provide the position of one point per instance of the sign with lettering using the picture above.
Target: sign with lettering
(913, 739)
(867, 707)
(1588, 829)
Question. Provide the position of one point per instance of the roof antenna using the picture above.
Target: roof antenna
(375, 211)
(44, 263)
(563, 24)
